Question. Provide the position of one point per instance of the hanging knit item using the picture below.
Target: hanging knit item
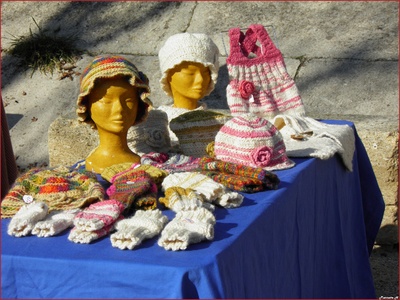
(59, 188)
(252, 141)
(260, 85)
(196, 129)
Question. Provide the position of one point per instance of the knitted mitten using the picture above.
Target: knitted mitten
(195, 181)
(111, 171)
(148, 200)
(128, 186)
(178, 199)
(171, 163)
(56, 222)
(237, 176)
(143, 225)
(188, 227)
(98, 215)
(85, 237)
(25, 219)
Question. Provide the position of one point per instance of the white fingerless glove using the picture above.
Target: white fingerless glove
(25, 219)
(145, 224)
(188, 227)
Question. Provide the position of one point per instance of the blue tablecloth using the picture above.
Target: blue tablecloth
(311, 238)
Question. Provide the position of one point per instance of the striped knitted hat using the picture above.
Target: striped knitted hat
(59, 188)
(252, 141)
(109, 67)
(196, 129)
(188, 47)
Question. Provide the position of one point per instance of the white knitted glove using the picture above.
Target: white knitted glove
(307, 137)
(229, 199)
(145, 224)
(56, 222)
(25, 219)
(188, 227)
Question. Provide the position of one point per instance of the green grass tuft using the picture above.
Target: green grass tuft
(42, 51)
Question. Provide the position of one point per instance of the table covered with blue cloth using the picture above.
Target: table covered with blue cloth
(310, 238)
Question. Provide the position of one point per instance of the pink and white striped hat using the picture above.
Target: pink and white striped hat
(252, 141)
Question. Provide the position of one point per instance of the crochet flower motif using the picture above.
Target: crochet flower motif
(261, 156)
(246, 89)
(155, 138)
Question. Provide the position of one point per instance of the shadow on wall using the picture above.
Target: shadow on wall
(388, 235)
(71, 21)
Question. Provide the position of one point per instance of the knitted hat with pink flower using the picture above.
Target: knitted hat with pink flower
(252, 141)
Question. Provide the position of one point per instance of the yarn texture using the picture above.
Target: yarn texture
(259, 85)
(252, 141)
(196, 129)
(58, 188)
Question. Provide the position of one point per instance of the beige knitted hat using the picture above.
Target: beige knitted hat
(188, 47)
(196, 129)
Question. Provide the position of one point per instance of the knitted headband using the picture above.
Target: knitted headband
(252, 141)
(188, 47)
(109, 67)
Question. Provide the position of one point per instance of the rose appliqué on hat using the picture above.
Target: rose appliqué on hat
(246, 89)
(261, 156)
(155, 138)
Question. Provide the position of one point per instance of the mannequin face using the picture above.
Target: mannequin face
(189, 82)
(113, 104)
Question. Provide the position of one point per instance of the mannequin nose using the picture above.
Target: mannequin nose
(199, 78)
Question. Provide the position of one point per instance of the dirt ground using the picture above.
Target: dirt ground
(385, 270)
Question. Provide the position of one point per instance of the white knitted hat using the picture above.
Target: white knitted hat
(188, 47)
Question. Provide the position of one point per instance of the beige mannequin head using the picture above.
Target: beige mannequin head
(189, 82)
(113, 98)
(181, 54)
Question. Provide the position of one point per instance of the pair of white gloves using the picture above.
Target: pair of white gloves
(33, 218)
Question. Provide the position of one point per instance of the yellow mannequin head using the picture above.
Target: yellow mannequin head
(189, 83)
(113, 105)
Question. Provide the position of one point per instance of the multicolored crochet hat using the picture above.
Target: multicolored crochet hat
(59, 188)
(252, 141)
(188, 47)
(196, 129)
(109, 67)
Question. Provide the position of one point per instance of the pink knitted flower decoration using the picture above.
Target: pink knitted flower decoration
(246, 89)
(261, 156)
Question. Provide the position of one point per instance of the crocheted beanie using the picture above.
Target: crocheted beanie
(109, 67)
(188, 47)
(196, 129)
(252, 141)
(60, 189)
